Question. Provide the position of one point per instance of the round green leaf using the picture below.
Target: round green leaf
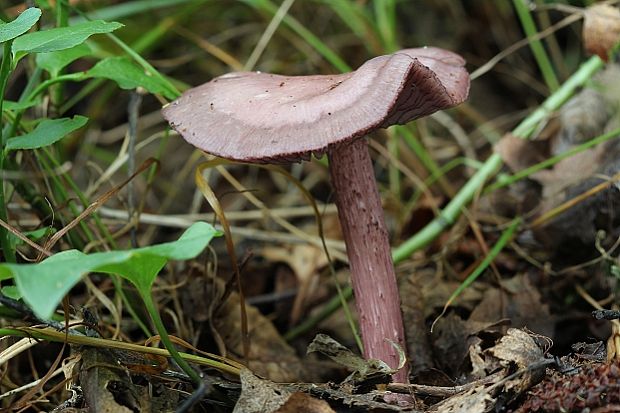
(61, 38)
(20, 25)
(43, 285)
(46, 133)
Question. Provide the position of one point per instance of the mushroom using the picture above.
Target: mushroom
(268, 118)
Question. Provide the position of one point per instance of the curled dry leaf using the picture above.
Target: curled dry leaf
(601, 29)
(518, 300)
(258, 395)
(363, 370)
(519, 348)
(269, 354)
(304, 403)
(264, 396)
(458, 345)
(613, 342)
(451, 341)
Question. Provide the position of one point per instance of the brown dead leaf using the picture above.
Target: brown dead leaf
(417, 335)
(476, 400)
(518, 301)
(454, 340)
(451, 343)
(270, 355)
(258, 395)
(601, 29)
(517, 352)
(305, 261)
(519, 348)
(304, 403)
(567, 172)
(363, 369)
(518, 153)
(436, 290)
(613, 342)
(108, 387)
(584, 116)
(569, 236)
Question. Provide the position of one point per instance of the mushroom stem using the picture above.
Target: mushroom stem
(372, 270)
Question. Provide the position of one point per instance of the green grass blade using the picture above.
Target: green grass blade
(268, 7)
(5, 71)
(493, 163)
(497, 248)
(385, 12)
(358, 19)
(130, 8)
(544, 64)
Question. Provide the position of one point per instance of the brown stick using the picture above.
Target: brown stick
(372, 270)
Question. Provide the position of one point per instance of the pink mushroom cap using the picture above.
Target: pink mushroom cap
(263, 117)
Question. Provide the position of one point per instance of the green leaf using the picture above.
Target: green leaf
(54, 62)
(11, 292)
(43, 285)
(5, 273)
(11, 105)
(46, 133)
(32, 235)
(128, 75)
(20, 25)
(61, 38)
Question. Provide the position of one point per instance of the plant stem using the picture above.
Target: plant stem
(5, 70)
(368, 247)
(309, 37)
(165, 339)
(49, 334)
(62, 18)
(492, 164)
